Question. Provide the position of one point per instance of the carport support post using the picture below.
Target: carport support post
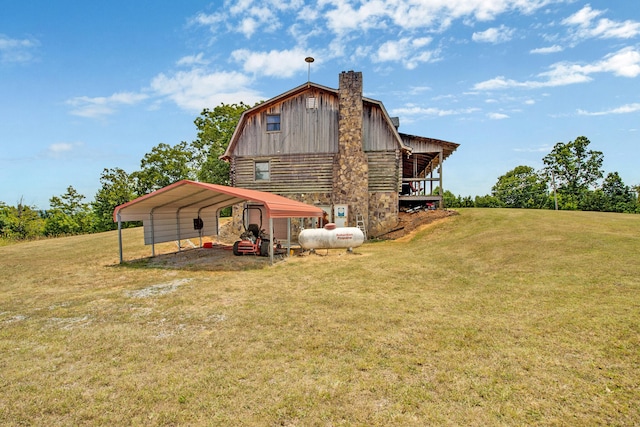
(120, 236)
(288, 237)
(272, 239)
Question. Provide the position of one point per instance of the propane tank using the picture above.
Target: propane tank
(331, 237)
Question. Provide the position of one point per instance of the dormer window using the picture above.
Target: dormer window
(273, 122)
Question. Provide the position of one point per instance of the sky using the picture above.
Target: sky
(86, 86)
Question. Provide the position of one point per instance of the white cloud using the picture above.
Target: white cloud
(414, 110)
(342, 17)
(253, 17)
(275, 63)
(192, 60)
(196, 89)
(585, 25)
(623, 63)
(625, 109)
(96, 107)
(17, 50)
(497, 116)
(61, 149)
(546, 50)
(494, 35)
(406, 50)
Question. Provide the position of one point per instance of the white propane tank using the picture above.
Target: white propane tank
(331, 237)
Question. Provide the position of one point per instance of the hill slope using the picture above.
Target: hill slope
(489, 317)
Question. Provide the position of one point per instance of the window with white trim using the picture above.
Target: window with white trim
(262, 171)
(273, 122)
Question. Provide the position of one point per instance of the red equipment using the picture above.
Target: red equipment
(254, 241)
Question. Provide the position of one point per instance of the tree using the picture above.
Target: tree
(521, 187)
(574, 169)
(68, 215)
(619, 197)
(163, 166)
(488, 201)
(20, 222)
(215, 129)
(117, 188)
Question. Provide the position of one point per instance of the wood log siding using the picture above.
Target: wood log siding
(312, 173)
(384, 171)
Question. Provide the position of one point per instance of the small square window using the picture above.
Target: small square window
(273, 122)
(312, 103)
(262, 171)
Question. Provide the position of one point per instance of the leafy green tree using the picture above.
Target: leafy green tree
(215, 129)
(574, 169)
(162, 166)
(593, 201)
(521, 187)
(619, 197)
(68, 215)
(20, 222)
(488, 201)
(117, 188)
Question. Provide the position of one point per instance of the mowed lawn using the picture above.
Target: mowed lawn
(491, 317)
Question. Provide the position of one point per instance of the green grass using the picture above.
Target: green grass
(492, 317)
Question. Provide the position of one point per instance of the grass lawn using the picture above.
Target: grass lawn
(491, 317)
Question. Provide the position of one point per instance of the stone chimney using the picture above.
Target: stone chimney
(350, 167)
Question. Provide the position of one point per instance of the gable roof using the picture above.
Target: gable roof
(201, 195)
(294, 92)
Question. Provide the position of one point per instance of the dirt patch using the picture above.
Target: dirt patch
(219, 257)
(408, 222)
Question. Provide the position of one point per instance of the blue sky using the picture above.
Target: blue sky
(91, 85)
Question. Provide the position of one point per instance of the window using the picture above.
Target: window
(312, 103)
(262, 171)
(273, 122)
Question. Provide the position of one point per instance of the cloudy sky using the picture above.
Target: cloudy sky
(91, 85)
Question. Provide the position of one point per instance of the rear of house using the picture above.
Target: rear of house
(337, 150)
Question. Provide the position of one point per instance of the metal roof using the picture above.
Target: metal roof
(199, 195)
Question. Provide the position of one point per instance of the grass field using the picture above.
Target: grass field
(492, 317)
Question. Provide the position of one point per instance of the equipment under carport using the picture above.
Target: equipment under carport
(254, 240)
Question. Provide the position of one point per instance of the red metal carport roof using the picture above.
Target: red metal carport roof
(193, 194)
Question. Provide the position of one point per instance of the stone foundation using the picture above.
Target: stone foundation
(383, 213)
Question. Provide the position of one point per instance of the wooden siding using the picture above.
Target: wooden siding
(313, 173)
(384, 171)
(302, 130)
(377, 135)
(310, 173)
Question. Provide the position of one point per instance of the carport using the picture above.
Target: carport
(184, 210)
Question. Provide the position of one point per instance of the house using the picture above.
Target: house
(337, 150)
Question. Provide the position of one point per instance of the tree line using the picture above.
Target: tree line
(570, 179)
(70, 213)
